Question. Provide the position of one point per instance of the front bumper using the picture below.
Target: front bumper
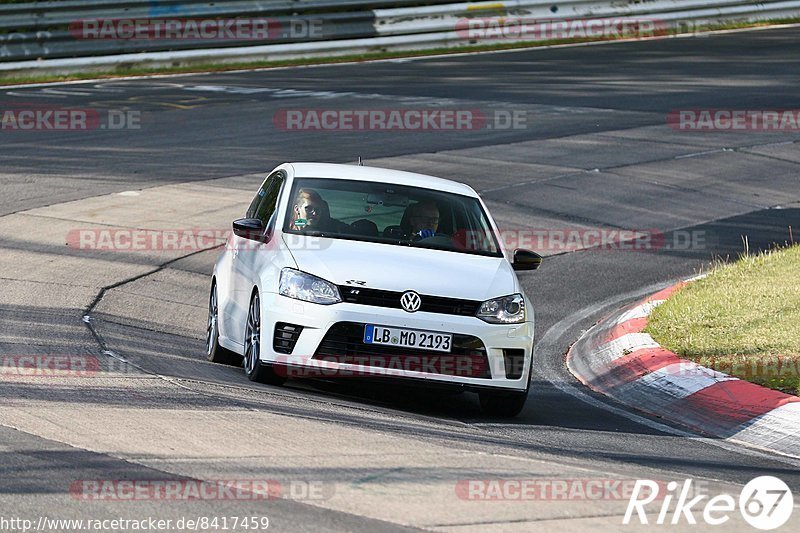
(309, 359)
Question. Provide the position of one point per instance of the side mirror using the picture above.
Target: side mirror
(249, 228)
(526, 260)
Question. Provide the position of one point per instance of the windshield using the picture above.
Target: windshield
(390, 214)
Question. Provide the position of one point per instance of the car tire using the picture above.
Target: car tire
(215, 353)
(502, 404)
(505, 404)
(254, 368)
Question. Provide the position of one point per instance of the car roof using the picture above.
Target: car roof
(381, 175)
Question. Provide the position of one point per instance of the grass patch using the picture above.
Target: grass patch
(743, 319)
(124, 71)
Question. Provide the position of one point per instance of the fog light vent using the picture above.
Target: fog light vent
(515, 362)
(285, 337)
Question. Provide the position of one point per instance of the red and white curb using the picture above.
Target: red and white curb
(618, 359)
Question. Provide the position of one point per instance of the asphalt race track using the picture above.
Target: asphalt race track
(592, 149)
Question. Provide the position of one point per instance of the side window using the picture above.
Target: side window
(251, 211)
(265, 202)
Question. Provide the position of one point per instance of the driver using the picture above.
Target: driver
(311, 213)
(424, 219)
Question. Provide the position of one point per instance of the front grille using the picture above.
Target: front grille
(344, 343)
(391, 299)
(514, 359)
(285, 337)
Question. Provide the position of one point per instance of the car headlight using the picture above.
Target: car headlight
(302, 286)
(503, 310)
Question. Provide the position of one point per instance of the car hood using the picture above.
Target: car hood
(401, 268)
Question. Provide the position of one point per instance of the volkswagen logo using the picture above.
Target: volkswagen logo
(410, 301)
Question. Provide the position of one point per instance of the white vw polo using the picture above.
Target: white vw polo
(352, 271)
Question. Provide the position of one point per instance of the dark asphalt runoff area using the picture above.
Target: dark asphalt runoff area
(593, 150)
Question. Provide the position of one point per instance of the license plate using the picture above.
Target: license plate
(408, 338)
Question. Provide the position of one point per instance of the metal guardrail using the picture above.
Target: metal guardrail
(62, 43)
(35, 35)
(444, 18)
(39, 30)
